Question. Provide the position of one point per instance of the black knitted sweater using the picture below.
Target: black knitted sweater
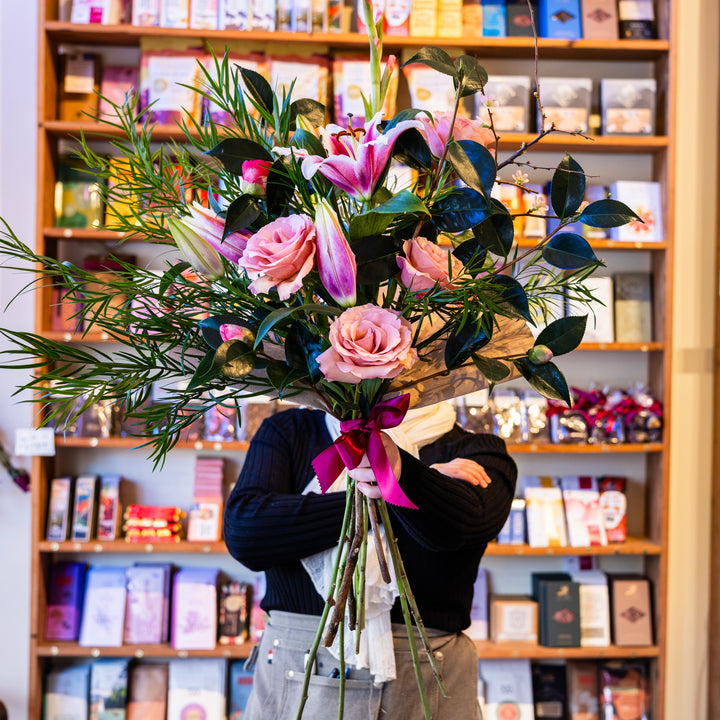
(270, 525)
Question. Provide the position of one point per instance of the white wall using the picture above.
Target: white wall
(694, 305)
(18, 57)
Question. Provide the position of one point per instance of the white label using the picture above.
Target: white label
(35, 442)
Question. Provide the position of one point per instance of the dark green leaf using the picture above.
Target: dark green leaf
(210, 328)
(367, 225)
(546, 379)
(282, 375)
(475, 76)
(474, 165)
(258, 88)
(284, 313)
(493, 370)
(511, 293)
(171, 275)
(204, 372)
(280, 188)
(564, 334)
(307, 141)
(233, 152)
(463, 341)
(376, 258)
(434, 58)
(497, 232)
(412, 149)
(302, 347)
(569, 251)
(234, 359)
(471, 254)
(567, 190)
(607, 213)
(313, 110)
(241, 214)
(462, 209)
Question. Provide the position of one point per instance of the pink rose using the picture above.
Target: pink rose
(437, 134)
(254, 176)
(280, 255)
(367, 342)
(426, 263)
(230, 331)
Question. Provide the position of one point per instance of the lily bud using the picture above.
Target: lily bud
(540, 354)
(197, 251)
(335, 260)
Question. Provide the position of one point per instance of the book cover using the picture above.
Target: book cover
(84, 508)
(196, 688)
(644, 197)
(594, 608)
(117, 81)
(631, 611)
(600, 326)
(204, 14)
(508, 689)
(513, 618)
(58, 514)
(66, 693)
(558, 609)
(240, 688)
(397, 18)
(234, 14)
(423, 18)
(633, 307)
(494, 23)
(624, 693)
(108, 689)
(174, 13)
(66, 587)
(147, 692)
(599, 19)
(108, 509)
(513, 532)
(472, 18)
(583, 514)
(103, 614)
(478, 629)
(544, 512)
(77, 93)
(146, 13)
(560, 19)
(194, 609)
(549, 691)
(583, 690)
(450, 18)
(145, 605)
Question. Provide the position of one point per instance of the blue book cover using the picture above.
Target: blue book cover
(66, 693)
(108, 689)
(240, 687)
(494, 23)
(65, 597)
(560, 19)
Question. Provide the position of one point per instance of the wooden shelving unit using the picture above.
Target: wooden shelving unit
(649, 545)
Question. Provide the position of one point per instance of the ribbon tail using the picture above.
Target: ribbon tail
(386, 480)
(328, 465)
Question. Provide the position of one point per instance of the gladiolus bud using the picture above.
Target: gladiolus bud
(540, 354)
(198, 251)
(335, 260)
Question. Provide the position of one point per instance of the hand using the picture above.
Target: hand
(464, 469)
(364, 475)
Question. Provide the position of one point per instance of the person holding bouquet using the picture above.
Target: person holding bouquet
(276, 521)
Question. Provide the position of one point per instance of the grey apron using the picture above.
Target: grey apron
(279, 673)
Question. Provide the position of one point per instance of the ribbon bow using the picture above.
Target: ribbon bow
(362, 436)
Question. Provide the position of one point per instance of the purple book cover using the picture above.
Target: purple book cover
(65, 596)
(145, 605)
(194, 609)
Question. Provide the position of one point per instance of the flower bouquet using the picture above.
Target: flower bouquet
(305, 274)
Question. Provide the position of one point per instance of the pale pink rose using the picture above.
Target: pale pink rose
(254, 176)
(437, 131)
(426, 263)
(280, 255)
(367, 342)
(229, 331)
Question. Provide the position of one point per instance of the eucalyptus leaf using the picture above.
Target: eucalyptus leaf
(307, 141)
(475, 76)
(258, 88)
(462, 209)
(546, 379)
(494, 370)
(564, 334)
(569, 251)
(608, 213)
(434, 58)
(233, 152)
(567, 190)
(241, 214)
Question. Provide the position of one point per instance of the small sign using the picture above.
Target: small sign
(35, 442)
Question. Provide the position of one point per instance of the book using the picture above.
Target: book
(194, 609)
(472, 18)
(624, 691)
(196, 687)
(145, 608)
(544, 512)
(174, 13)
(613, 503)
(204, 14)
(519, 19)
(147, 692)
(633, 307)
(449, 18)
(66, 693)
(58, 513)
(513, 532)
(84, 508)
(80, 74)
(549, 691)
(560, 19)
(478, 629)
(240, 689)
(583, 514)
(397, 18)
(108, 689)
(78, 202)
(599, 19)
(594, 608)
(628, 106)
(234, 15)
(600, 327)
(508, 689)
(644, 197)
(117, 81)
(108, 509)
(103, 615)
(423, 18)
(631, 611)
(146, 13)
(583, 691)
(558, 600)
(513, 618)
(494, 23)
(66, 587)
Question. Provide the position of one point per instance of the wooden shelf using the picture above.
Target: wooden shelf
(632, 546)
(502, 651)
(488, 47)
(622, 347)
(548, 448)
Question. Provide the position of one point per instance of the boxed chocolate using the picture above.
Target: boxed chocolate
(494, 21)
(566, 103)
(560, 19)
(507, 97)
(549, 691)
(631, 611)
(599, 19)
(519, 19)
(582, 690)
(513, 618)
(559, 613)
(633, 307)
(628, 106)
(624, 693)
(636, 19)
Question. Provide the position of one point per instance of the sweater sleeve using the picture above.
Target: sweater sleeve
(268, 521)
(451, 513)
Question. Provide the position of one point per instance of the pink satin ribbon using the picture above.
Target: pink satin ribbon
(362, 436)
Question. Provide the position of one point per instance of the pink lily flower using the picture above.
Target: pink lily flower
(356, 157)
(335, 260)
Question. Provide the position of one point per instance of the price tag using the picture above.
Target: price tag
(34, 442)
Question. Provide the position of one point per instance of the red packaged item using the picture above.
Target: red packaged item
(613, 503)
(624, 690)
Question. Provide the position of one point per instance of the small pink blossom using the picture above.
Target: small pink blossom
(437, 131)
(230, 331)
(367, 342)
(520, 177)
(254, 177)
(280, 255)
(425, 264)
